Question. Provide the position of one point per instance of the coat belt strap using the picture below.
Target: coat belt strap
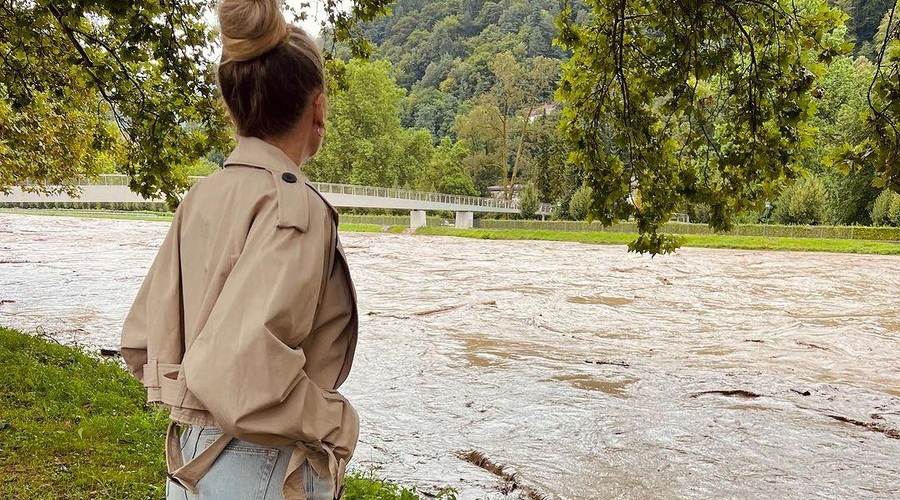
(187, 475)
(323, 461)
(165, 384)
(293, 487)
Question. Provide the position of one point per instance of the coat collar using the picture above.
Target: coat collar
(293, 208)
(254, 152)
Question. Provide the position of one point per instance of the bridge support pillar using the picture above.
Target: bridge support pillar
(465, 220)
(417, 219)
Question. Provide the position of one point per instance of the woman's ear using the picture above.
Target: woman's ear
(320, 115)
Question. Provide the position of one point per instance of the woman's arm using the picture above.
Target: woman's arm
(244, 366)
(157, 309)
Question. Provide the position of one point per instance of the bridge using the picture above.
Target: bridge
(112, 188)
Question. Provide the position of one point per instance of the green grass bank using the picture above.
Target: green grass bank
(73, 426)
(692, 241)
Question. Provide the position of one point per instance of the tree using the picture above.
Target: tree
(803, 202)
(535, 82)
(482, 133)
(879, 150)
(843, 100)
(529, 202)
(431, 110)
(365, 143)
(886, 210)
(580, 204)
(867, 15)
(201, 168)
(445, 173)
(546, 164)
(501, 121)
(539, 31)
(144, 66)
(677, 103)
(881, 215)
(450, 44)
(50, 141)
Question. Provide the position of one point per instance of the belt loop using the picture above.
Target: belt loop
(151, 373)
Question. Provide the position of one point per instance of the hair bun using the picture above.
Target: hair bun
(250, 28)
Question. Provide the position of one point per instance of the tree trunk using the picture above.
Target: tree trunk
(504, 149)
(512, 180)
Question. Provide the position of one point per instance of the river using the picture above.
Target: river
(584, 371)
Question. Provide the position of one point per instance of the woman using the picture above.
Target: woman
(246, 323)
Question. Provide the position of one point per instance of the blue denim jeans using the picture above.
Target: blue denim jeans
(244, 471)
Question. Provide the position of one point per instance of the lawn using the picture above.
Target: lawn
(695, 241)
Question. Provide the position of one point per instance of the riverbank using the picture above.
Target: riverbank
(735, 242)
(75, 426)
(689, 241)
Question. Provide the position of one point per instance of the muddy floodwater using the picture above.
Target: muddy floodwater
(584, 371)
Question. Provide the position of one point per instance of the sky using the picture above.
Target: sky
(311, 25)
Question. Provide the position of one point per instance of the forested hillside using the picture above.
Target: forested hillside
(429, 41)
(865, 18)
(442, 51)
(479, 78)
(464, 100)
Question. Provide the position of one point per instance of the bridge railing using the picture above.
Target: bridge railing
(103, 180)
(406, 194)
(353, 190)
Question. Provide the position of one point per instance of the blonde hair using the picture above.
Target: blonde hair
(269, 68)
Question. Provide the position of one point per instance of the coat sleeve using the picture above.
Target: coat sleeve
(245, 365)
(156, 316)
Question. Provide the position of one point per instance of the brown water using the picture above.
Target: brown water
(586, 371)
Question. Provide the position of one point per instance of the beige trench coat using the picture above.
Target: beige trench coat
(237, 325)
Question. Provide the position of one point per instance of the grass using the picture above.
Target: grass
(793, 244)
(73, 426)
(695, 241)
(360, 228)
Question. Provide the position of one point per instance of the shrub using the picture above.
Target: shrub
(749, 217)
(700, 213)
(561, 210)
(802, 203)
(876, 233)
(529, 202)
(894, 210)
(881, 211)
(580, 204)
(201, 168)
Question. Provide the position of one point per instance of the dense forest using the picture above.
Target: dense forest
(478, 78)
(459, 97)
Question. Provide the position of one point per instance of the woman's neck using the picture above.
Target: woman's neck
(293, 145)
